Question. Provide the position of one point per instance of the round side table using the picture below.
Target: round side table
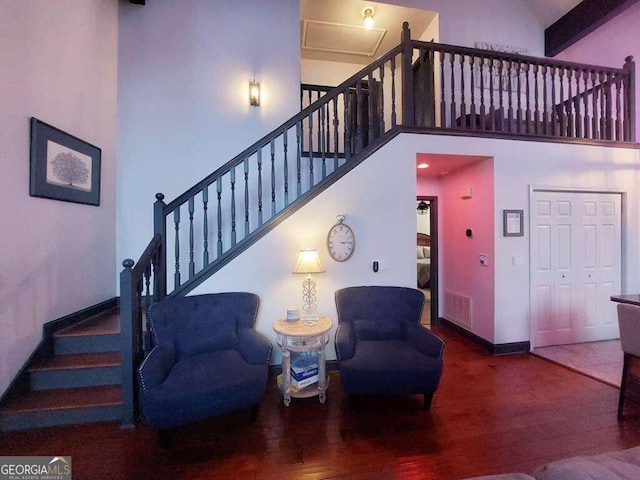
(297, 337)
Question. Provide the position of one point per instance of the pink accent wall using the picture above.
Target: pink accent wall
(460, 269)
(610, 45)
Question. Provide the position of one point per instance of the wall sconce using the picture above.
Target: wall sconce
(367, 14)
(254, 93)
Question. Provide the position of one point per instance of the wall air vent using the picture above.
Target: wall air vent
(457, 308)
(340, 38)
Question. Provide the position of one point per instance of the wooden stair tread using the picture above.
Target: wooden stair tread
(65, 399)
(106, 323)
(78, 360)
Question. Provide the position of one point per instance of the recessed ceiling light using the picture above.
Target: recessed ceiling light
(423, 165)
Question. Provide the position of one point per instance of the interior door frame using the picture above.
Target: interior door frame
(623, 237)
(433, 219)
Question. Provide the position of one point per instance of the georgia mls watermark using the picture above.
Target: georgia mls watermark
(35, 468)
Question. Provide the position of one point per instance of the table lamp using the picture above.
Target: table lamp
(308, 264)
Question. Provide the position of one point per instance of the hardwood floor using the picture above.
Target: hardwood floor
(490, 415)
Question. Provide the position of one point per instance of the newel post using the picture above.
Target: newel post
(629, 79)
(160, 228)
(408, 106)
(128, 347)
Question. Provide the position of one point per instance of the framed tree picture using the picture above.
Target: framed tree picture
(63, 167)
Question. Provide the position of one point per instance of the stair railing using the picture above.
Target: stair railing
(136, 295)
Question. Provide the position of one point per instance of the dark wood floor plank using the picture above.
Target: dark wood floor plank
(490, 415)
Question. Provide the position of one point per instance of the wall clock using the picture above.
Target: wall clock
(341, 241)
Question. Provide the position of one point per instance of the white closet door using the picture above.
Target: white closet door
(575, 266)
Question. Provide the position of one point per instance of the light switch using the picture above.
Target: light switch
(484, 260)
(517, 260)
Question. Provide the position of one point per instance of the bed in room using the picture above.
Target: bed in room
(424, 260)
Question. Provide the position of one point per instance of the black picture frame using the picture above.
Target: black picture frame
(513, 223)
(63, 167)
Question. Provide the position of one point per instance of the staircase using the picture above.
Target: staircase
(79, 382)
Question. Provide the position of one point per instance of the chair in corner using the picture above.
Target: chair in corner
(381, 346)
(629, 323)
(207, 360)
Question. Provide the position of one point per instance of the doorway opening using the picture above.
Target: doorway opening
(427, 255)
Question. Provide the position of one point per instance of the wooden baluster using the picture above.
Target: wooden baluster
(327, 129)
(323, 145)
(510, 117)
(372, 91)
(233, 206)
(298, 160)
(501, 96)
(359, 115)
(483, 111)
(176, 223)
(595, 121)
(285, 167)
(205, 226)
(247, 225)
(527, 113)
(348, 105)
(577, 121)
(453, 90)
(260, 186)
(552, 103)
(336, 137)
(536, 108)
(562, 106)
(608, 102)
(472, 107)
(310, 119)
(546, 124)
(319, 136)
(381, 109)
(492, 108)
(618, 121)
(393, 93)
(191, 209)
(568, 103)
(603, 106)
(219, 193)
(585, 104)
(273, 178)
(519, 116)
(311, 179)
(463, 106)
(443, 103)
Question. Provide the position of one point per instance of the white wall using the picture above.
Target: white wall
(183, 109)
(59, 64)
(464, 22)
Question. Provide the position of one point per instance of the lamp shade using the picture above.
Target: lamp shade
(308, 262)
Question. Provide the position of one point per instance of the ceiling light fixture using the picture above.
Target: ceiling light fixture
(423, 207)
(423, 165)
(367, 14)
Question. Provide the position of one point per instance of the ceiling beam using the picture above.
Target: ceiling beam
(583, 19)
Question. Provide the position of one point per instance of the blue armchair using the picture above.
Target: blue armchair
(381, 346)
(207, 359)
